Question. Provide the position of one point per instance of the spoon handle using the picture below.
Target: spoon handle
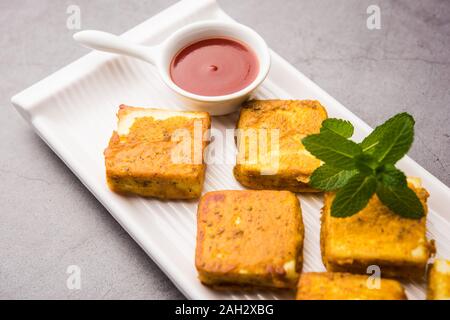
(108, 42)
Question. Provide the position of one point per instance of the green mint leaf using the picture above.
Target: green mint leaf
(372, 140)
(354, 196)
(396, 140)
(390, 176)
(328, 178)
(333, 149)
(390, 133)
(366, 164)
(401, 200)
(341, 127)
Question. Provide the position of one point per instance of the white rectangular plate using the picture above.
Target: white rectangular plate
(74, 112)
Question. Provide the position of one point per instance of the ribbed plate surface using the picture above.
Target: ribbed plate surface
(74, 112)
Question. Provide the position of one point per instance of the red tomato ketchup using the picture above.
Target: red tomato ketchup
(214, 67)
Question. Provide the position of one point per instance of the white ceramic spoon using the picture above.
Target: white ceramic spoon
(161, 57)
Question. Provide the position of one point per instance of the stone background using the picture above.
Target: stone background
(48, 220)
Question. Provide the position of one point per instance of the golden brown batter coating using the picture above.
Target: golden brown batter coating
(439, 280)
(376, 236)
(139, 159)
(295, 119)
(249, 238)
(345, 286)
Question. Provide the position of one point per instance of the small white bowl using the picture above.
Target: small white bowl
(215, 105)
(162, 55)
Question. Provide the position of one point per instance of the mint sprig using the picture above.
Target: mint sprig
(359, 170)
(341, 127)
(396, 140)
(354, 196)
(334, 149)
(401, 200)
(328, 178)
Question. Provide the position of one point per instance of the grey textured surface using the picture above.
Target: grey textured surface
(49, 221)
